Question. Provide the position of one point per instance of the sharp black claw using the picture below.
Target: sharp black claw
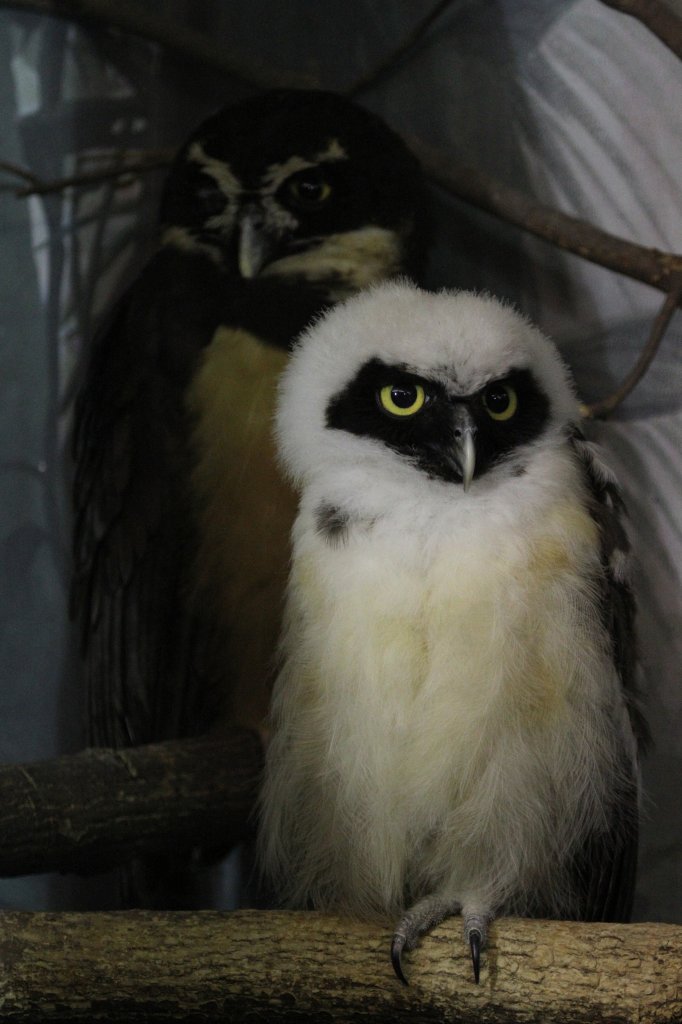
(475, 944)
(396, 950)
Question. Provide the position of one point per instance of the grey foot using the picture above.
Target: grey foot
(421, 918)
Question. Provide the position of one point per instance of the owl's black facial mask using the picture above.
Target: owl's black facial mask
(418, 418)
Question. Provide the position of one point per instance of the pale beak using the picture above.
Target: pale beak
(255, 244)
(464, 448)
(468, 459)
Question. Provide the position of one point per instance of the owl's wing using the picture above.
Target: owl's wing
(151, 655)
(606, 869)
(145, 655)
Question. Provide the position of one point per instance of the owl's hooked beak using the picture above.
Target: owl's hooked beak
(255, 243)
(464, 449)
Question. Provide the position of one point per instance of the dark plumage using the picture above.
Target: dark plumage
(273, 209)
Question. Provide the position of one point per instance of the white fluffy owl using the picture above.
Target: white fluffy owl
(455, 722)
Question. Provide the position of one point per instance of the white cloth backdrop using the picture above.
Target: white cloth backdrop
(569, 100)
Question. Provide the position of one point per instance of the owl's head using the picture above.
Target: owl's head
(405, 385)
(298, 182)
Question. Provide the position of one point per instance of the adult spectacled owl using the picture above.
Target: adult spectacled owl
(274, 209)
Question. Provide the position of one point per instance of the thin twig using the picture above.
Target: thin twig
(604, 407)
(651, 266)
(659, 18)
(372, 76)
(38, 186)
(18, 172)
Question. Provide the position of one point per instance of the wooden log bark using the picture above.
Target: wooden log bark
(286, 967)
(89, 811)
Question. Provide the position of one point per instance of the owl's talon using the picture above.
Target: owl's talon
(475, 945)
(396, 951)
(476, 934)
(419, 919)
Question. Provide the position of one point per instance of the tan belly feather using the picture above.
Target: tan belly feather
(245, 511)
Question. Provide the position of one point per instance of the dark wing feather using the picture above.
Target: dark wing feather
(150, 657)
(133, 539)
(604, 873)
(605, 870)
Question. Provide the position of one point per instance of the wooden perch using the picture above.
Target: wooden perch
(275, 967)
(89, 811)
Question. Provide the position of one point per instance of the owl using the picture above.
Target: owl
(274, 209)
(456, 719)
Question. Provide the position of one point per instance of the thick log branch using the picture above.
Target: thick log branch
(268, 966)
(89, 811)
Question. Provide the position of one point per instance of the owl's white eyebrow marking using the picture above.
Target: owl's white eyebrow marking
(274, 175)
(216, 169)
(278, 173)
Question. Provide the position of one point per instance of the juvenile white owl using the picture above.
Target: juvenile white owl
(456, 727)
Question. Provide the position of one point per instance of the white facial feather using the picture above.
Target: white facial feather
(462, 338)
(444, 715)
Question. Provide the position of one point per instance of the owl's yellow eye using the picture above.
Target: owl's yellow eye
(500, 401)
(309, 190)
(402, 399)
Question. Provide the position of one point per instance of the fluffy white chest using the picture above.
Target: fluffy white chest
(433, 695)
(457, 636)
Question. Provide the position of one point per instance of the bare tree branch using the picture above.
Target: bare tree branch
(294, 967)
(19, 172)
(659, 269)
(131, 166)
(606, 406)
(658, 16)
(651, 266)
(197, 46)
(89, 811)
(182, 39)
(388, 62)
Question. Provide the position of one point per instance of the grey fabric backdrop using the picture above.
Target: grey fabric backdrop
(571, 101)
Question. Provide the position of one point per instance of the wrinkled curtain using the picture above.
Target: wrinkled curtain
(568, 100)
